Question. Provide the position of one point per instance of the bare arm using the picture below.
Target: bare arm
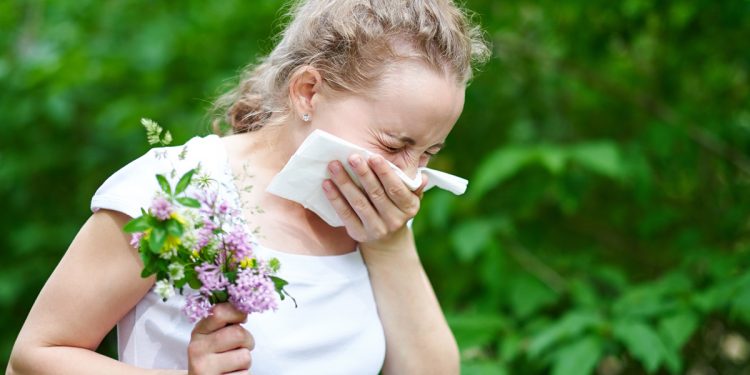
(418, 339)
(96, 283)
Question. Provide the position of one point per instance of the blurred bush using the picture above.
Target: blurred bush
(606, 227)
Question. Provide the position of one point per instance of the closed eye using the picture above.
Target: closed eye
(392, 150)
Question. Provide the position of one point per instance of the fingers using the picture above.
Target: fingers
(382, 204)
(219, 344)
(226, 339)
(221, 315)
(231, 337)
(349, 201)
(233, 361)
(406, 200)
(390, 214)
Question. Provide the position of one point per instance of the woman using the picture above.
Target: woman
(387, 75)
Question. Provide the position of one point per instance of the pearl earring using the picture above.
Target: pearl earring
(306, 117)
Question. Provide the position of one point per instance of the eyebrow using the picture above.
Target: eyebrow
(411, 142)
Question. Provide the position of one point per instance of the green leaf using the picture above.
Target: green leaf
(498, 167)
(600, 157)
(192, 279)
(164, 184)
(716, 297)
(677, 329)
(642, 342)
(184, 182)
(147, 271)
(156, 239)
(553, 158)
(138, 224)
(643, 301)
(578, 358)
(219, 296)
(484, 367)
(274, 264)
(145, 258)
(470, 238)
(528, 295)
(174, 228)
(149, 264)
(571, 325)
(740, 306)
(476, 329)
(439, 206)
(279, 284)
(511, 346)
(189, 202)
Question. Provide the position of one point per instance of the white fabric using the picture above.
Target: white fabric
(301, 179)
(334, 330)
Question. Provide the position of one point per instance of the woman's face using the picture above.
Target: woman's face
(406, 119)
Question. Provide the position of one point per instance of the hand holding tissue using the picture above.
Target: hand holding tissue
(301, 179)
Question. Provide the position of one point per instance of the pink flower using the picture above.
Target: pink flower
(197, 307)
(253, 292)
(161, 207)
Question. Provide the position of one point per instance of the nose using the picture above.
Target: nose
(409, 168)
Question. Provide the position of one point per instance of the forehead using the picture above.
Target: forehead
(416, 101)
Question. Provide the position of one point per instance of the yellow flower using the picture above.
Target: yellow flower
(171, 243)
(178, 217)
(248, 263)
(146, 233)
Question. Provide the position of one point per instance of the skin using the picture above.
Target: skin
(412, 102)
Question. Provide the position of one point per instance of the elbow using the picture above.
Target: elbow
(14, 365)
(20, 361)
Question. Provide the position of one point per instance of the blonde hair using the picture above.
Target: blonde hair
(351, 42)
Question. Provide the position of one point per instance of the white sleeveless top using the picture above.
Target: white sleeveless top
(334, 330)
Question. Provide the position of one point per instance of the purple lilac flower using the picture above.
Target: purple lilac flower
(252, 292)
(223, 208)
(135, 240)
(208, 200)
(211, 277)
(161, 208)
(238, 243)
(197, 307)
(205, 234)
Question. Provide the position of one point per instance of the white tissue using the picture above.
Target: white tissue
(301, 179)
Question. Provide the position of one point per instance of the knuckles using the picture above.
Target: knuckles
(395, 191)
(234, 333)
(377, 194)
(360, 204)
(412, 209)
(244, 358)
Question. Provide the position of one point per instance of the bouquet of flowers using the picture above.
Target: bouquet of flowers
(189, 236)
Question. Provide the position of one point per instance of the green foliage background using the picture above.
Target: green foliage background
(606, 228)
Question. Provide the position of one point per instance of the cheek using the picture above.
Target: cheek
(406, 162)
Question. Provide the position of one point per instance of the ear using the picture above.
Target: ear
(303, 86)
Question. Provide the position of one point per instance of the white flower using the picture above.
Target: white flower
(176, 271)
(164, 289)
(169, 254)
